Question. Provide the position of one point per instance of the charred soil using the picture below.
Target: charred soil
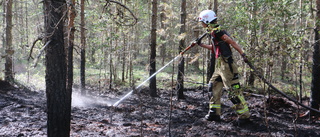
(23, 113)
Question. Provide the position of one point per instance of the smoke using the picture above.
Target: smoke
(79, 100)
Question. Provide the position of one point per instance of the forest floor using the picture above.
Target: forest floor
(23, 113)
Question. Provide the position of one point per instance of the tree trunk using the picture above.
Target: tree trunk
(253, 40)
(123, 58)
(4, 30)
(83, 51)
(283, 67)
(315, 86)
(131, 48)
(71, 30)
(196, 63)
(111, 70)
(180, 78)
(153, 83)
(215, 6)
(163, 17)
(8, 42)
(92, 52)
(58, 98)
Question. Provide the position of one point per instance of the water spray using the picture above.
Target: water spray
(181, 53)
(128, 94)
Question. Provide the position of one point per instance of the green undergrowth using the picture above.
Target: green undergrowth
(34, 78)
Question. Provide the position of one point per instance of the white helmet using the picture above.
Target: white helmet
(207, 16)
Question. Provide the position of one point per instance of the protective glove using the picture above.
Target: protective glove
(198, 41)
(245, 59)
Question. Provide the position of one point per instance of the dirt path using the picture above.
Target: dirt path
(23, 113)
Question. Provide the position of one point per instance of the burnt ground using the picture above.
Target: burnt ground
(22, 113)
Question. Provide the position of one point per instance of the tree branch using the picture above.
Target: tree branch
(135, 19)
(33, 44)
(41, 51)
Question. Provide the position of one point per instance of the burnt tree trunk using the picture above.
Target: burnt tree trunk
(153, 44)
(71, 30)
(180, 78)
(315, 86)
(58, 98)
(82, 50)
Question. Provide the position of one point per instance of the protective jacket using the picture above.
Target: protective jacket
(220, 47)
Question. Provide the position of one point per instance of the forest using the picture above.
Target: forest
(115, 68)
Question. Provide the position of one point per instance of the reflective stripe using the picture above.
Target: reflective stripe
(237, 86)
(218, 64)
(245, 109)
(215, 106)
(242, 100)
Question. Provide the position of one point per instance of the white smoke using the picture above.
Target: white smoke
(79, 100)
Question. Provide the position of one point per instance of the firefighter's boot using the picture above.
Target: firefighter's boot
(240, 105)
(214, 113)
(242, 110)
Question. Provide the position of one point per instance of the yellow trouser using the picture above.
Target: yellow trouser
(223, 77)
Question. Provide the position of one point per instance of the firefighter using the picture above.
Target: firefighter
(226, 73)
